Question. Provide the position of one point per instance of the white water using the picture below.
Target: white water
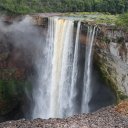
(73, 90)
(61, 67)
(41, 93)
(87, 73)
(57, 67)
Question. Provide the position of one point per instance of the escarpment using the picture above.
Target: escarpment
(21, 50)
(111, 57)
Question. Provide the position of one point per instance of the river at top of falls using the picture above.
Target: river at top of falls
(57, 93)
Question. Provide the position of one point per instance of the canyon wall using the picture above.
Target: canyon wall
(110, 59)
(15, 67)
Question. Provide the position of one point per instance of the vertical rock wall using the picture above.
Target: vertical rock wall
(111, 58)
(13, 78)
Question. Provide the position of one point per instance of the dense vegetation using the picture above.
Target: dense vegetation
(35, 6)
(123, 20)
(32, 6)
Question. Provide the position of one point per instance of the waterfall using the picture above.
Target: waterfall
(87, 73)
(62, 65)
(74, 72)
(41, 94)
(57, 68)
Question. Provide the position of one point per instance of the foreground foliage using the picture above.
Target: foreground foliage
(122, 107)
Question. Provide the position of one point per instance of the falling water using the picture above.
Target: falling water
(87, 73)
(62, 65)
(56, 92)
(41, 93)
(74, 73)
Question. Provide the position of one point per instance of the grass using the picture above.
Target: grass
(96, 17)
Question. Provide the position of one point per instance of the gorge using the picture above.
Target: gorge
(59, 66)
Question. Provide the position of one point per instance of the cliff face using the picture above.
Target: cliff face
(14, 70)
(110, 54)
(111, 58)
